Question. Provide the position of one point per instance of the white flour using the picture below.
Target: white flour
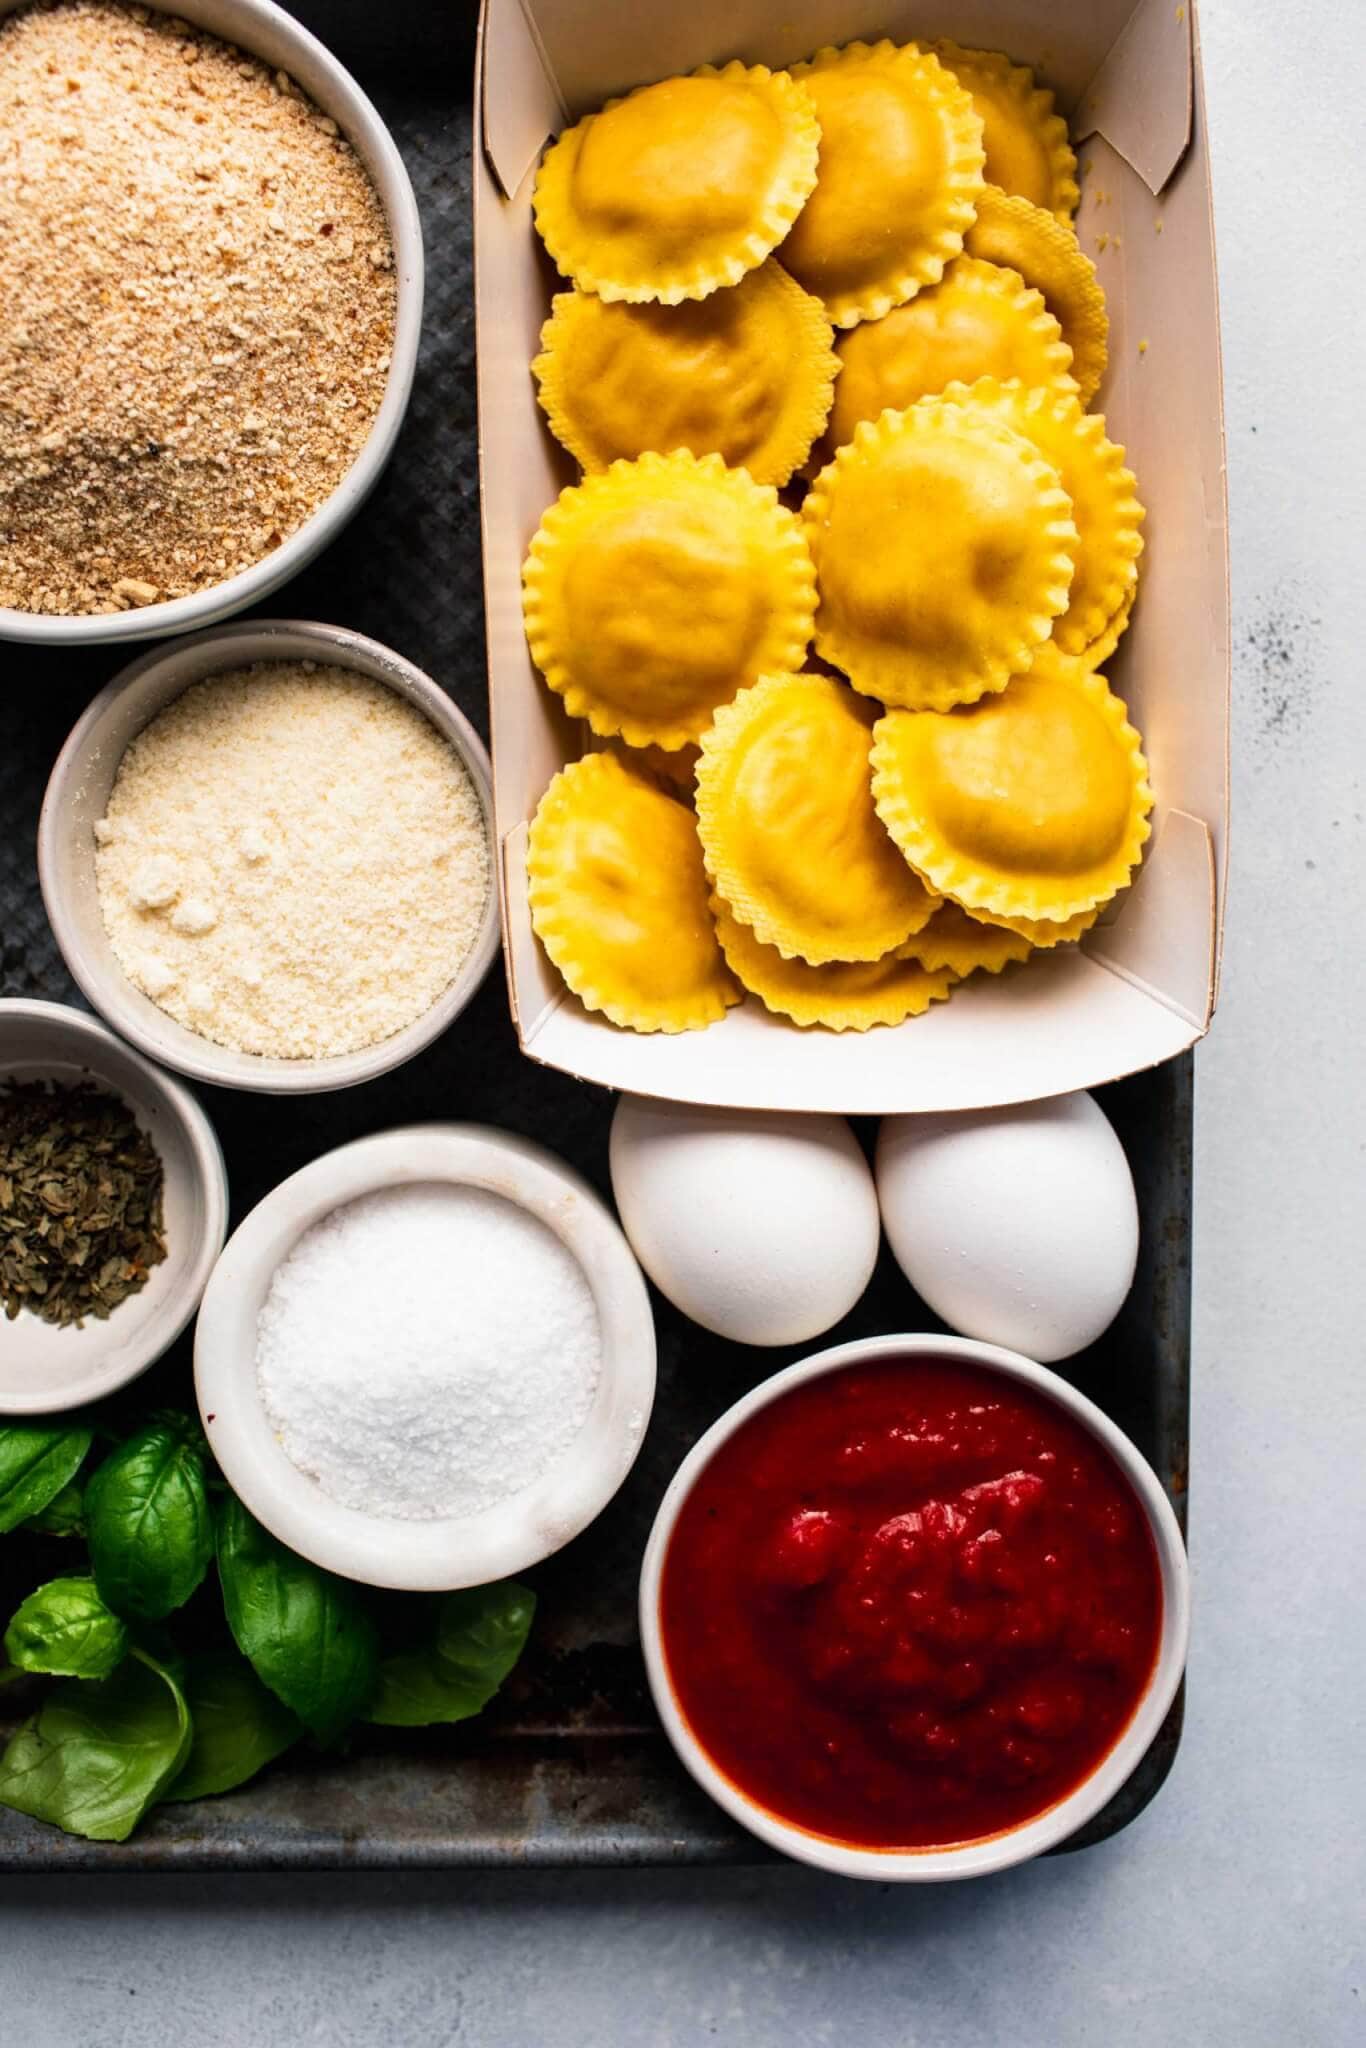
(427, 1351)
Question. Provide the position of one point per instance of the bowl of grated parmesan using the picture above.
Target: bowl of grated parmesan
(212, 273)
(266, 852)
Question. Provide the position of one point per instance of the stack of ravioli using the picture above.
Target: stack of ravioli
(848, 553)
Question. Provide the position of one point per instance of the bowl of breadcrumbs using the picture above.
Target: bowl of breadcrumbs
(211, 275)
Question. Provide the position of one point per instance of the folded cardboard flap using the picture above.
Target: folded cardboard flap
(1152, 939)
(516, 99)
(1149, 129)
(544, 61)
(534, 985)
(1010, 1038)
(1142, 986)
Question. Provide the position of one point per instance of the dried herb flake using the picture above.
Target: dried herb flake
(81, 1187)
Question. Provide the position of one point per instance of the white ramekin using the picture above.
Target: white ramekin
(1015, 1845)
(435, 1556)
(266, 31)
(44, 1369)
(78, 791)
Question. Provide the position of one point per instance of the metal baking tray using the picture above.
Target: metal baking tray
(569, 1766)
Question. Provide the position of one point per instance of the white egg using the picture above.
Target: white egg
(1017, 1226)
(760, 1227)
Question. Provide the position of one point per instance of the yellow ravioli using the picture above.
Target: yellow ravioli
(1097, 652)
(978, 321)
(1105, 507)
(655, 591)
(842, 995)
(943, 548)
(1047, 254)
(1042, 932)
(900, 171)
(619, 899)
(745, 374)
(1031, 804)
(1026, 143)
(681, 187)
(789, 832)
(678, 768)
(963, 945)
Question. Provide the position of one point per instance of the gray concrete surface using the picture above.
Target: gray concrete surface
(1232, 1912)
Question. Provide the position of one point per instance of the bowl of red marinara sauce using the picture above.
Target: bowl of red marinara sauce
(914, 1609)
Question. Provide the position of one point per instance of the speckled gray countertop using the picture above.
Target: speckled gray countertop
(1231, 1912)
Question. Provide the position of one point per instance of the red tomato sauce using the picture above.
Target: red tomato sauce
(910, 1604)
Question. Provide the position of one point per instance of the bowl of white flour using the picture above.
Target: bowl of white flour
(427, 1359)
(266, 852)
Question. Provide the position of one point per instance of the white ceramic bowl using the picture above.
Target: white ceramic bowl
(433, 1556)
(78, 791)
(1015, 1845)
(266, 31)
(43, 1368)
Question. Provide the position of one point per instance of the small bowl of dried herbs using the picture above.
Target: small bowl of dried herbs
(113, 1209)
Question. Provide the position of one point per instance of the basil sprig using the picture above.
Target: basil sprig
(36, 1462)
(96, 1756)
(472, 1642)
(309, 1635)
(65, 1630)
(148, 1524)
(239, 1726)
(134, 1721)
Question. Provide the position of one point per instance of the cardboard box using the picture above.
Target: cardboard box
(1142, 985)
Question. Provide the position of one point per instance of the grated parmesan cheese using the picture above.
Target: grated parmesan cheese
(293, 861)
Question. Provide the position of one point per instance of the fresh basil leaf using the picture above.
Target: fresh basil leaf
(482, 1631)
(64, 1628)
(35, 1464)
(476, 1638)
(185, 1424)
(64, 1514)
(239, 1726)
(148, 1523)
(414, 1693)
(96, 1756)
(310, 1636)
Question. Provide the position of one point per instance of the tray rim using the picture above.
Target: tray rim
(227, 1836)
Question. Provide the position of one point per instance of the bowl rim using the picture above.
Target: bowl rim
(1030, 1838)
(206, 1156)
(92, 964)
(265, 31)
(411, 1555)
